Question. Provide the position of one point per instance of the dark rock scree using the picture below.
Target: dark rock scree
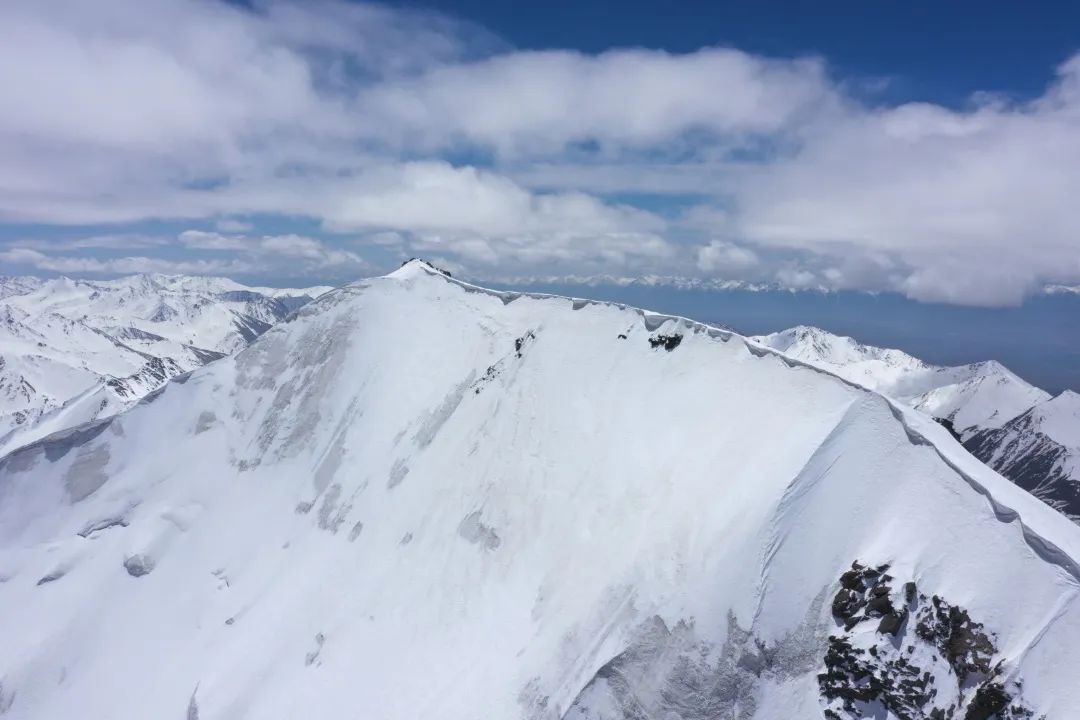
(926, 659)
(668, 342)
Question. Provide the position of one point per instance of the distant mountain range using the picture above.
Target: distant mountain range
(1023, 432)
(72, 351)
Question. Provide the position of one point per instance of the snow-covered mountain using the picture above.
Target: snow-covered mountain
(418, 498)
(970, 397)
(75, 350)
(1039, 451)
(19, 285)
(1011, 425)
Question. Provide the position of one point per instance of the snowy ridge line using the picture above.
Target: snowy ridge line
(1047, 550)
(1040, 634)
(59, 443)
(800, 485)
(1044, 548)
(653, 320)
(92, 428)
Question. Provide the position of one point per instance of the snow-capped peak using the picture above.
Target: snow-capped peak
(971, 397)
(876, 366)
(1059, 419)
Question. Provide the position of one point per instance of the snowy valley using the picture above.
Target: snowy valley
(72, 351)
(418, 498)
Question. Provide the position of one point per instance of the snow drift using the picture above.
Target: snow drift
(418, 498)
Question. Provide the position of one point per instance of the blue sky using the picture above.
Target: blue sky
(928, 51)
(922, 149)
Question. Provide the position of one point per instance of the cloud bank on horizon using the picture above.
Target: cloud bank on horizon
(388, 133)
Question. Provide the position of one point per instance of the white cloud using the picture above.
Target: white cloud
(724, 258)
(204, 240)
(122, 266)
(345, 114)
(530, 102)
(797, 278)
(311, 251)
(126, 241)
(435, 196)
(295, 255)
(976, 205)
(582, 253)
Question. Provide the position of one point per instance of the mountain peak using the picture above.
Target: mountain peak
(1068, 396)
(1059, 419)
(414, 267)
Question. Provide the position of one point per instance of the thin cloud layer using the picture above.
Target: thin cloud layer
(229, 255)
(391, 133)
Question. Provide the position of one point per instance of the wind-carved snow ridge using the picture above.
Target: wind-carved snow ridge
(1040, 545)
(418, 497)
(1012, 426)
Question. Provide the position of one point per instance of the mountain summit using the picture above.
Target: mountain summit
(419, 498)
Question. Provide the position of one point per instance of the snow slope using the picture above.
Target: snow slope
(75, 350)
(1009, 424)
(418, 498)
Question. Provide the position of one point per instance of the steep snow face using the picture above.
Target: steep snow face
(1040, 451)
(1059, 419)
(73, 350)
(421, 499)
(1009, 424)
(972, 397)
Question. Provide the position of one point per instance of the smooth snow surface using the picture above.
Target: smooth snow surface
(1059, 419)
(419, 499)
(1012, 426)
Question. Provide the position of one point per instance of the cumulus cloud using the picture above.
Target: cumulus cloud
(205, 240)
(530, 102)
(308, 251)
(403, 131)
(975, 204)
(724, 258)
